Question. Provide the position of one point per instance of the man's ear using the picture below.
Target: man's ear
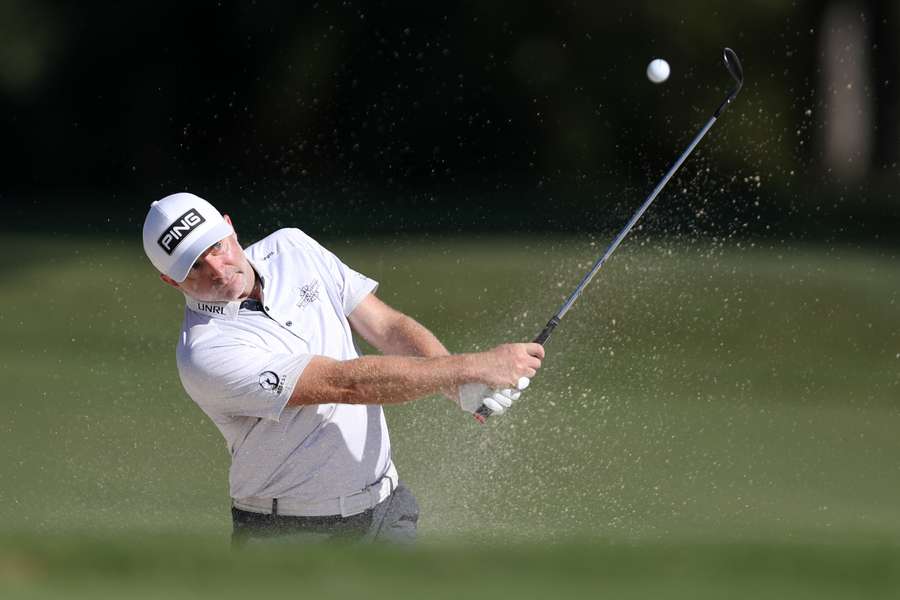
(228, 220)
(170, 281)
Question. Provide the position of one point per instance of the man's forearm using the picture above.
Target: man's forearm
(382, 379)
(392, 332)
(408, 337)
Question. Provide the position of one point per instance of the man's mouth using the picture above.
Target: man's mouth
(226, 282)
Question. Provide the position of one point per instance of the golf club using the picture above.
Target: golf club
(737, 72)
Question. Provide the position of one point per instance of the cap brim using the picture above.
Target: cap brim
(196, 247)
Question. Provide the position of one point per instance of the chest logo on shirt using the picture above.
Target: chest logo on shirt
(270, 381)
(309, 293)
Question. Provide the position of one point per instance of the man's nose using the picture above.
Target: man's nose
(215, 265)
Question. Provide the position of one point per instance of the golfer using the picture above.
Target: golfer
(266, 350)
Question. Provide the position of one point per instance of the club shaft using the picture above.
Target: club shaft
(483, 411)
(634, 219)
(737, 73)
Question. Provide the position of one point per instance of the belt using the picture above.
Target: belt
(345, 506)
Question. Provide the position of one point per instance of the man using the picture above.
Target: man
(266, 350)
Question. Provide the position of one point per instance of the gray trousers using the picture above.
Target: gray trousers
(394, 520)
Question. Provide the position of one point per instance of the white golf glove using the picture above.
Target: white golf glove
(473, 395)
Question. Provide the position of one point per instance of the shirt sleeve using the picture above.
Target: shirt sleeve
(236, 379)
(353, 286)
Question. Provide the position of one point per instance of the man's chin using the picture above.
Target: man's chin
(223, 296)
(233, 297)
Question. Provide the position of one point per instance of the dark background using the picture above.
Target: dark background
(388, 117)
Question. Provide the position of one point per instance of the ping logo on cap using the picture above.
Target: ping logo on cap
(179, 230)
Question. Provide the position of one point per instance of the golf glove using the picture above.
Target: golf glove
(473, 395)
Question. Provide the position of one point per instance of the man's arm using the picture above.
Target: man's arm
(392, 332)
(396, 379)
(417, 364)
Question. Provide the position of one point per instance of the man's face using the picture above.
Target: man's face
(221, 274)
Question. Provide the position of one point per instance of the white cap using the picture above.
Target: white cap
(178, 229)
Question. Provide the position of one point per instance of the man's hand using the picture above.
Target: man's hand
(473, 395)
(504, 366)
(502, 373)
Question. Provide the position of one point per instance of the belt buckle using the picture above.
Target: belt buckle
(353, 510)
(371, 492)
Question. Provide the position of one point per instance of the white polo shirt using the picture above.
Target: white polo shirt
(241, 365)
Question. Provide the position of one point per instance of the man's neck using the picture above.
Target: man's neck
(256, 293)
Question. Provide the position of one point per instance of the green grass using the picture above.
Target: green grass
(719, 416)
(197, 567)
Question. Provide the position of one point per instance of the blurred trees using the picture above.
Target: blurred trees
(859, 55)
(414, 103)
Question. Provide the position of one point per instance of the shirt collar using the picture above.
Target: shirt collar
(225, 310)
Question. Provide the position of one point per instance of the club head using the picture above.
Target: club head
(737, 73)
(734, 66)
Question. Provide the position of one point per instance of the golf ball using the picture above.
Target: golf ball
(658, 70)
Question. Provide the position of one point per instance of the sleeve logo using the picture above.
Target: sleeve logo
(271, 382)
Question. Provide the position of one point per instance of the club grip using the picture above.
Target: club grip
(544, 335)
(481, 415)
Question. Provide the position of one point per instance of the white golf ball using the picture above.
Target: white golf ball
(658, 70)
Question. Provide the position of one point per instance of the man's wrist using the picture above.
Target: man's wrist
(470, 368)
